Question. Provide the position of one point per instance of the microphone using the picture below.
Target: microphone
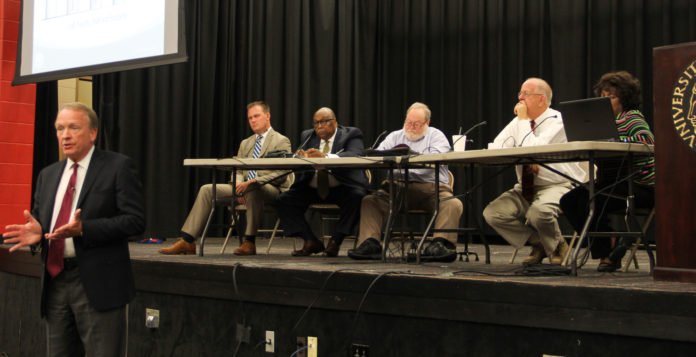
(377, 140)
(536, 126)
(303, 144)
(473, 127)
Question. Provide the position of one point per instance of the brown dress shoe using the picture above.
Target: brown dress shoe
(331, 249)
(247, 248)
(536, 256)
(560, 253)
(310, 247)
(180, 247)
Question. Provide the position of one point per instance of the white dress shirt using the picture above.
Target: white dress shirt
(82, 166)
(548, 130)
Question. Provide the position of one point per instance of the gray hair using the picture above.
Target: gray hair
(419, 105)
(91, 114)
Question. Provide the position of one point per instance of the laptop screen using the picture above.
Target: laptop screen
(589, 119)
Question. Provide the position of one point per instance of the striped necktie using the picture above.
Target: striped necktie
(257, 151)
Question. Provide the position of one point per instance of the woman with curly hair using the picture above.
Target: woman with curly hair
(624, 91)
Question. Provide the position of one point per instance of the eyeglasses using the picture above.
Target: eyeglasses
(322, 122)
(527, 94)
(413, 124)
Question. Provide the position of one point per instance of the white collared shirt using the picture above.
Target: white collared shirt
(548, 130)
(82, 166)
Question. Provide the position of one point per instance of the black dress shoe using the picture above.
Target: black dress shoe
(368, 250)
(331, 249)
(310, 247)
(439, 250)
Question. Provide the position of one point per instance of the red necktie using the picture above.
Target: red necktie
(54, 262)
(528, 176)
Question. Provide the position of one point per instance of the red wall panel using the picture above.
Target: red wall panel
(17, 114)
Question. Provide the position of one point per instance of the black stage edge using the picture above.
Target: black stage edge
(428, 310)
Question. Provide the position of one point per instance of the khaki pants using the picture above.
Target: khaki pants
(257, 197)
(519, 221)
(375, 209)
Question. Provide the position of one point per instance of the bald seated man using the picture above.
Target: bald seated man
(529, 211)
(344, 187)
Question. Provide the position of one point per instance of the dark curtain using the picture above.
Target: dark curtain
(45, 139)
(368, 60)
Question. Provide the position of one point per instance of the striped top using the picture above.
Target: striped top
(632, 128)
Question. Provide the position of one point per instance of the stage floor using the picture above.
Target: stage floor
(500, 269)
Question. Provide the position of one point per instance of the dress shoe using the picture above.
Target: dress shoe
(367, 250)
(536, 256)
(310, 247)
(247, 248)
(331, 249)
(180, 247)
(560, 252)
(439, 250)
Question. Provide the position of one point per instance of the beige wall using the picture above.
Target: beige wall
(75, 90)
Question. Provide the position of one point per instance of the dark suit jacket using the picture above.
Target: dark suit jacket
(113, 207)
(349, 141)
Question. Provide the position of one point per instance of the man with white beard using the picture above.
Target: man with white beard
(421, 138)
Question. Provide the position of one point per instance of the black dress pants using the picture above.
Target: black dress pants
(575, 206)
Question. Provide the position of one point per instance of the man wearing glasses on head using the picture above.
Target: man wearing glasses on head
(344, 187)
(420, 137)
(529, 211)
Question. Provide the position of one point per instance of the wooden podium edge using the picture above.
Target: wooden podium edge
(680, 275)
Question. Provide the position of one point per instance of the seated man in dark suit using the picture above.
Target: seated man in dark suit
(344, 187)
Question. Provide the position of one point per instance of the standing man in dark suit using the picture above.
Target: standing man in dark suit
(85, 208)
(344, 187)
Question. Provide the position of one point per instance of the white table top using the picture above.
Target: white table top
(573, 151)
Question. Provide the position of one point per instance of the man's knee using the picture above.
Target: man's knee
(542, 214)
(453, 206)
(492, 214)
(370, 202)
(206, 190)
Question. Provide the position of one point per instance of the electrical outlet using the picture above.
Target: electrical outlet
(243, 333)
(152, 318)
(270, 341)
(357, 350)
(301, 342)
(312, 346)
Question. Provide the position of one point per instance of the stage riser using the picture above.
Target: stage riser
(402, 316)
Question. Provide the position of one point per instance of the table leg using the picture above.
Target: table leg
(210, 216)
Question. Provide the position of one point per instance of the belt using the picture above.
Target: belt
(69, 263)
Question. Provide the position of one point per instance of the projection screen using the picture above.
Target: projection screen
(72, 38)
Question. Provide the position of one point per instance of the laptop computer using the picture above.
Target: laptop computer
(589, 119)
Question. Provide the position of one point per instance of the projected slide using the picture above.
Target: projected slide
(78, 33)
